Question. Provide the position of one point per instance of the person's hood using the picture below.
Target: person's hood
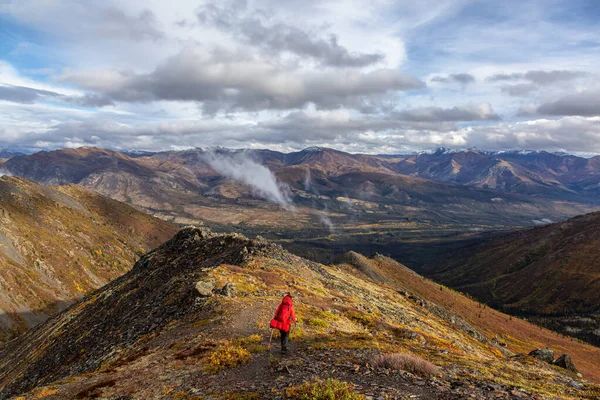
(287, 300)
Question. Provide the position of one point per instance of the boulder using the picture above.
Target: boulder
(546, 355)
(205, 288)
(228, 290)
(565, 362)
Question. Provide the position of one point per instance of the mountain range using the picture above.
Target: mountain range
(59, 243)
(325, 189)
(190, 321)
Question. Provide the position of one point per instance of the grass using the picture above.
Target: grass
(406, 362)
(330, 389)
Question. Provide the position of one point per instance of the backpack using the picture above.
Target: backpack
(284, 313)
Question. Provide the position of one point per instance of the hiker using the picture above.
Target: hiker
(284, 316)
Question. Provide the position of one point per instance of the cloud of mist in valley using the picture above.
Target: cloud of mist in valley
(242, 168)
(322, 214)
(325, 220)
(4, 173)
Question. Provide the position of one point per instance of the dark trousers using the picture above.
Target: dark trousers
(284, 336)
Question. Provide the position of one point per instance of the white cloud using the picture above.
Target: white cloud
(241, 167)
(262, 73)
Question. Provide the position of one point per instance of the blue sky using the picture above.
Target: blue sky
(373, 76)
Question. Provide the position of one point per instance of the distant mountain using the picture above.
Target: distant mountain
(327, 188)
(191, 320)
(6, 154)
(541, 174)
(59, 243)
(68, 166)
(550, 273)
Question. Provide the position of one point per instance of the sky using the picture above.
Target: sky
(370, 76)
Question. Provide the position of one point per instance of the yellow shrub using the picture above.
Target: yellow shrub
(227, 356)
(45, 392)
(252, 343)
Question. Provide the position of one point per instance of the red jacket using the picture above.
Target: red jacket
(285, 315)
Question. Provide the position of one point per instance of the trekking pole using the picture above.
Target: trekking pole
(294, 342)
(271, 338)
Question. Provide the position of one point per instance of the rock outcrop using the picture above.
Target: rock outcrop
(545, 355)
(565, 362)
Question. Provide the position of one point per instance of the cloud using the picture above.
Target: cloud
(277, 37)
(481, 112)
(462, 78)
(297, 130)
(138, 27)
(241, 167)
(88, 100)
(539, 77)
(74, 20)
(520, 89)
(24, 95)
(585, 103)
(240, 81)
(154, 75)
(549, 77)
(27, 95)
(322, 214)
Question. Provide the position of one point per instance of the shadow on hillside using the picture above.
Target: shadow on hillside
(14, 324)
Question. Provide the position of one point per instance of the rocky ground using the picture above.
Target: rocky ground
(190, 321)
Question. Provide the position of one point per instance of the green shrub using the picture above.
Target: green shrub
(326, 315)
(367, 320)
(317, 323)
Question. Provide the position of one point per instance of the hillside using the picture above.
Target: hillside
(190, 320)
(308, 193)
(549, 272)
(59, 243)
